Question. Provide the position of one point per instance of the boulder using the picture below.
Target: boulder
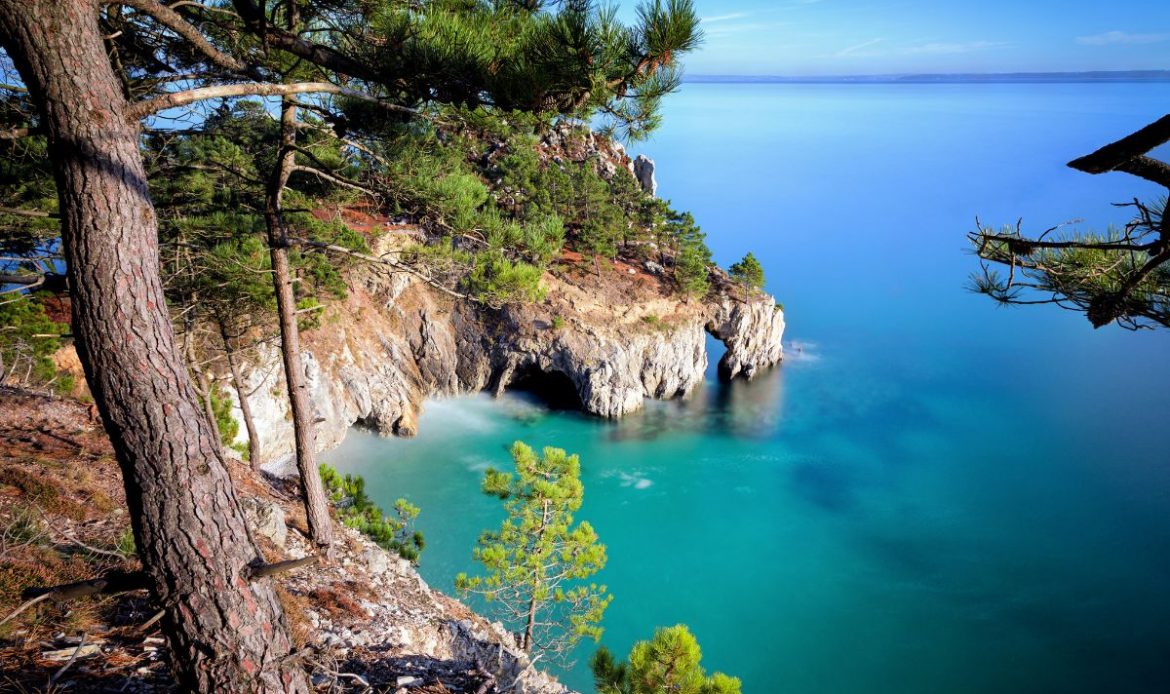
(268, 521)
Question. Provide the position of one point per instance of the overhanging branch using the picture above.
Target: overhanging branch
(174, 21)
(1112, 155)
(1148, 168)
(226, 91)
(401, 267)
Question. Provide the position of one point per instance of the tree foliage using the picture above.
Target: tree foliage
(748, 272)
(330, 62)
(28, 340)
(537, 562)
(1121, 276)
(667, 664)
(356, 510)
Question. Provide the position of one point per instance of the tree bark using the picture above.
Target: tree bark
(530, 625)
(254, 456)
(316, 503)
(1133, 145)
(224, 633)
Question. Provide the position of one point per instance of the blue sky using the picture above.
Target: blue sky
(856, 37)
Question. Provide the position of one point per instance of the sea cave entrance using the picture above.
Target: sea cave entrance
(553, 388)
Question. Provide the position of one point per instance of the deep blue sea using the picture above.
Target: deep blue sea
(932, 495)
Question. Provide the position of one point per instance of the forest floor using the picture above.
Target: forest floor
(369, 621)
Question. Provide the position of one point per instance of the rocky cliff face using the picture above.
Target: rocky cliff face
(604, 340)
(752, 330)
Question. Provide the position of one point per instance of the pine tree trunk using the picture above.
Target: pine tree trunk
(316, 503)
(225, 633)
(254, 456)
(530, 626)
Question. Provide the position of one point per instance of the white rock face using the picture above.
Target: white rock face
(752, 332)
(613, 375)
(397, 342)
(644, 172)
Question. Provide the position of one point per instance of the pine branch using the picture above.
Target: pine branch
(1112, 155)
(224, 91)
(174, 21)
(323, 56)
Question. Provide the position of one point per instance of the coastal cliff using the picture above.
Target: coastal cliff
(607, 336)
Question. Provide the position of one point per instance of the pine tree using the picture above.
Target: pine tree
(538, 560)
(667, 664)
(748, 272)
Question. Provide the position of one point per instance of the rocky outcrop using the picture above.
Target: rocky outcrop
(604, 340)
(366, 620)
(611, 374)
(644, 172)
(752, 331)
(377, 617)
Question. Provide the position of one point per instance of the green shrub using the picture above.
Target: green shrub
(458, 198)
(357, 511)
(670, 662)
(497, 280)
(309, 311)
(656, 322)
(125, 543)
(543, 239)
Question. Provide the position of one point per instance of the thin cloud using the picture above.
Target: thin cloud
(1110, 38)
(724, 17)
(939, 48)
(732, 28)
(853, 49)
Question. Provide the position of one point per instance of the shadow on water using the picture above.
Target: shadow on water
(829, 487)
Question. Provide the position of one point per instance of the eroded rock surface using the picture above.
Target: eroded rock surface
(605, 339)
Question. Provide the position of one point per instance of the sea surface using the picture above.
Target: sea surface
(932, 494)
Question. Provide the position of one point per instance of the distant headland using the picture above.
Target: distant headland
(955, 78)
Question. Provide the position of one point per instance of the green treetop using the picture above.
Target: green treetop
(749, 272)
(667, 664)
(537, 561)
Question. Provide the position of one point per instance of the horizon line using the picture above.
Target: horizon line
(1145, 75)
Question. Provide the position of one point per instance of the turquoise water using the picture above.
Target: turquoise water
(932, 494)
